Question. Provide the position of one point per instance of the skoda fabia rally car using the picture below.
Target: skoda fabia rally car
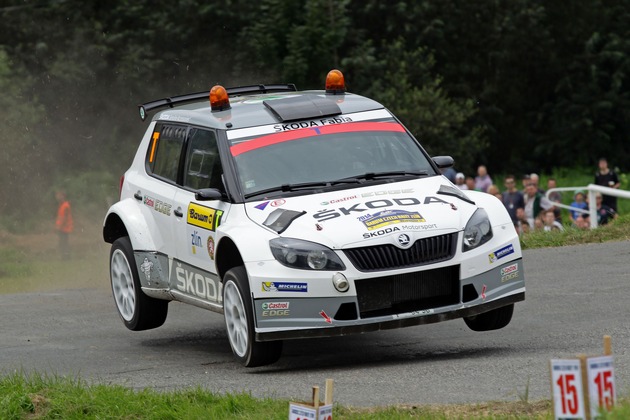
(302, 214)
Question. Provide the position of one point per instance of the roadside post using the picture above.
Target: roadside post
(314, 409)
(581, 388)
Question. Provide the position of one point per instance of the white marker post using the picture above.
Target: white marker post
(314, 410)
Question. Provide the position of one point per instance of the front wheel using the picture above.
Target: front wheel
(491, 320)
(137, 310)
(239, 321)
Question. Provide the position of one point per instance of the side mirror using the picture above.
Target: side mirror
(443, 162)
(209, 194)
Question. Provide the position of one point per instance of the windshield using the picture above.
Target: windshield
(327, 154)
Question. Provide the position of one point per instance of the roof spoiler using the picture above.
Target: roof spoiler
(193, 97)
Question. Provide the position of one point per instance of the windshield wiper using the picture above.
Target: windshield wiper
(387, 174)
(292, 187)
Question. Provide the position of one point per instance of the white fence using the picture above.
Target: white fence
(592, 205)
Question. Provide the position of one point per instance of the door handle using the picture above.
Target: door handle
(178, 212)
(138, 195)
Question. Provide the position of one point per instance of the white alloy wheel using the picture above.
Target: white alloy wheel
(122, 285)
(235, 318)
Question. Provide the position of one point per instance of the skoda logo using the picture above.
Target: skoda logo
(404, 240)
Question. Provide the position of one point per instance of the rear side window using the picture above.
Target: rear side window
(165, 151)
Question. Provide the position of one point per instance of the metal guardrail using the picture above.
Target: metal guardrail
(592, 205)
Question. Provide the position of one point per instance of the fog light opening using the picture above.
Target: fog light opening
(340, 282)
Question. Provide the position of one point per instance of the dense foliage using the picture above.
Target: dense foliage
(520, 85)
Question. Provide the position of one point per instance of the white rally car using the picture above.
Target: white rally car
(302, 214)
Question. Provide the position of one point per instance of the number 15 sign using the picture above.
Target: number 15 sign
(568, 394)
(568, 379)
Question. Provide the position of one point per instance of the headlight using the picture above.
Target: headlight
(305, 255)
(478, 230)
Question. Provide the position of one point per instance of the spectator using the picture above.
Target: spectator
(525, 181)
(494, 190)
(534, 203)
(549, 221)
(607, 178)
(460, 181)
(470, 183)
(522, 224)
(605, 213)
(554, 197)
(579, 203)
(64, 223)
(512, 198)
(535, 179)
(482, 180)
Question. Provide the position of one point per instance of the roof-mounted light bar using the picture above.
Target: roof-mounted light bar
(200, 96)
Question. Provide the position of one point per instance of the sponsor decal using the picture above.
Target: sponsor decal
(389, 217)
(509, 273)
(204, 217)
(195, 241)
(174, 118)
(157, 205)
(275, 309)
(210, 245)
(483, 292)
(197, 283)
(313, 123)
(388, 192)
(262, 205)
(500, 253)
(328, 214)
(338, 200)
(146, 268)
(278, 203)
(275, 305)
(381, 232)
(274, 203)
(318, 226)
(242, 133)
(278, 286)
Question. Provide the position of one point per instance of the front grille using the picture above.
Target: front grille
(408, 292)
(388, 257)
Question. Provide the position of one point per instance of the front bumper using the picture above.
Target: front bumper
(392, 323)
(414, 298)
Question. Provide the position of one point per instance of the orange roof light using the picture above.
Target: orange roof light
(219, 99)
(335, 82)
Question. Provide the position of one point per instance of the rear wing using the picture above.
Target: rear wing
(194, 97)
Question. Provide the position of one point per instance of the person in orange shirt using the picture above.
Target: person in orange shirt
(65, 224)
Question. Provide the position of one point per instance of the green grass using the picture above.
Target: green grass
(54, 397)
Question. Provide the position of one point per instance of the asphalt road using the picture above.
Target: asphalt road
(575, 295)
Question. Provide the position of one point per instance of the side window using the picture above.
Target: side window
(203, 165)
(165, 151)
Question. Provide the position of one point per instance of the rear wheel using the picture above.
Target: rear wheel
(137, 310)
(491, 320)
(239, 321)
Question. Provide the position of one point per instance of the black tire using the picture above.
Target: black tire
(239, 322)
(137, 310)
(491, 320)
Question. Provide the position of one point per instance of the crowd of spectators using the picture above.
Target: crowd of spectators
(530, 208)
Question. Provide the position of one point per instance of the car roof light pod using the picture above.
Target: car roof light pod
(219, 99)
(335, 83)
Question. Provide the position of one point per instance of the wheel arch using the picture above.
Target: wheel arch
(124, 219)
(227, 256)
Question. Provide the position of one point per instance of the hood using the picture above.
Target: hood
(367, 215)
